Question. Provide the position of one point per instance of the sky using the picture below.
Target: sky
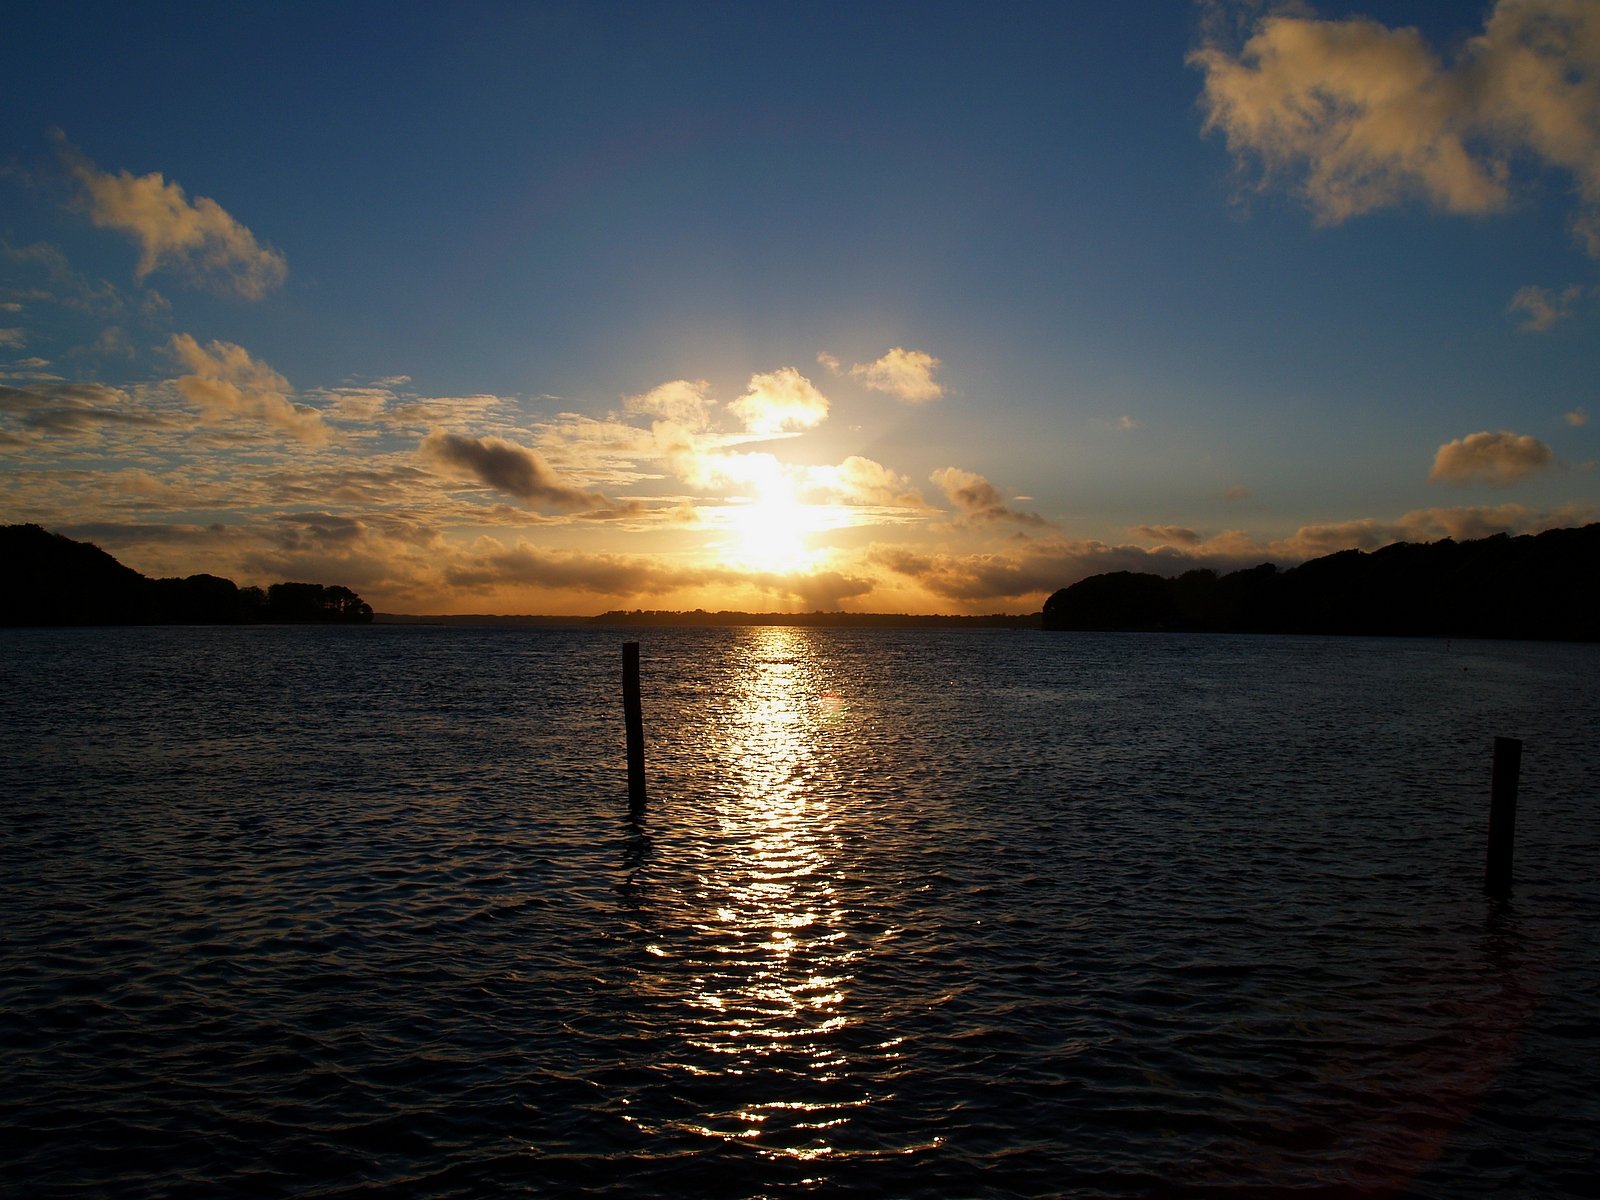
(564, 308)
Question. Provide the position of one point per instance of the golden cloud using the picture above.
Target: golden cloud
(860, 481)
(904, 374)
(778, 402)
(1496, 459)
(682, 401)
(226, 383)
(199, 240)
(1366, 117)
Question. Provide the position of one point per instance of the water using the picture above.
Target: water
(332, 912)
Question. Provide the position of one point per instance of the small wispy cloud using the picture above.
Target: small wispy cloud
(684, 401)
(1496, 459)
(1544, 307)
(1167, 534)
(1577, 418)
(976, 499)
(907, 375)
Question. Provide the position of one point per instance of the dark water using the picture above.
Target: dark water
(337, 912)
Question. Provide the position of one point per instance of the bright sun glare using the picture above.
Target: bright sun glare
(771, 531)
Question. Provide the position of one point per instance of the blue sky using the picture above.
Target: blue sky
(562, 308)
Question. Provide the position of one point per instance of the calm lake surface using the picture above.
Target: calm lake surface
(334, 912)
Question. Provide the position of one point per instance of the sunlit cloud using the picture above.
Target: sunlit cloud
(1236, 491)
(1577, 418)
(685, 402)
(1126, 422)
(976, 499)
(1543, 307)
(509, 468)
(861, 481)
(226, 383)
(778, 402)
(13, 339)
(197, 240)
(906, 375)
(1363, 117)
(1496, 459)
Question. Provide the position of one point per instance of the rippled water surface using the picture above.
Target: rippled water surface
(324, 912)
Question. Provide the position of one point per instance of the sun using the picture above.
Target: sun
(771, 530)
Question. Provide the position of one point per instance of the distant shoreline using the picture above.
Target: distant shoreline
(699, 618)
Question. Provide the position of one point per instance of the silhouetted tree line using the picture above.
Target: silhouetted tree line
(52, 580)
(1544, 586)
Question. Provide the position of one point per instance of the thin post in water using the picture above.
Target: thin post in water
(634, 717)
(1502, 815)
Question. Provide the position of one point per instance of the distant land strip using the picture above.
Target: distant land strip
(662, 617)
(1542, 586)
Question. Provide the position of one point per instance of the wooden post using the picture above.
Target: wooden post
(1502, 815)
(634, 717)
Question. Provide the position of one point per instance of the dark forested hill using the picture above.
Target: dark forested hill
(47, 579)
(1536, 586)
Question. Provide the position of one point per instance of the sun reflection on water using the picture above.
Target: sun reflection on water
(767, 1012)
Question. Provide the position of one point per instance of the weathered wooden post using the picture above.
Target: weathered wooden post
(1502, 815)
(634, 718)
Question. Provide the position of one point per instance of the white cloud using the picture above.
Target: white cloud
(1364, 117)
(904, 374)
(226, 383)
(198, 240)
(781, 401)
(13, 339)
(1496, 459)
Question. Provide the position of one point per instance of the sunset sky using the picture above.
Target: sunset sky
(559, 308)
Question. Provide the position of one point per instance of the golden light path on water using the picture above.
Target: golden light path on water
(768, 963)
